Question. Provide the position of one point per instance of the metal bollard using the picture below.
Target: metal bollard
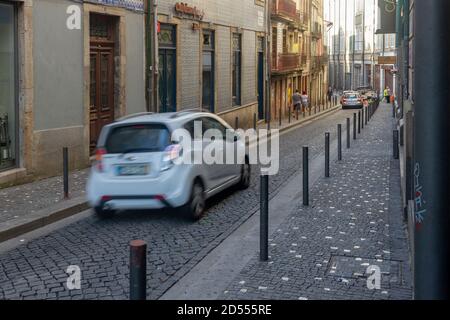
(348, 133)
(339, 132)
(138, 270)
(395, 146)
(305, 176)
(315, 109)
(279, 118)
(254, 121)
(236, 123)
(354, 126)
(362, 118)
(264, 219)
(359, 122)
(309, 111)
(327, 155)
(66, 172)
(367, 115)
(393, 110)
(289, 118)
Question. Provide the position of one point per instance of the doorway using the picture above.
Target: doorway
(260, 78)
(102, 66)
(167, 69)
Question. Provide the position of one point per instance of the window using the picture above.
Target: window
(236, 72)
(8, 87)
(138, 138)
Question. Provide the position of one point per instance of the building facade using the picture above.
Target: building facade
(211, 54)
(67, 69)
(298, 55)
(355, 49)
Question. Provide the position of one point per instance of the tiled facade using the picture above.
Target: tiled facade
(223, 19)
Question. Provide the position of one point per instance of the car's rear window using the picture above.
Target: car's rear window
(351, 96)
(138, 138)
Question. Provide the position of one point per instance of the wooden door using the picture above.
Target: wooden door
(101, 76)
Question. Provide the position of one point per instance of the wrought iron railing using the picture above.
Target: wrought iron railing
(5, 141)
(136, 5)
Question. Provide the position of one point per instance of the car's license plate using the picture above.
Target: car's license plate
(133, 170)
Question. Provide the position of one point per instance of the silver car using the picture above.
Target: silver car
(351, 100)
(136, 165)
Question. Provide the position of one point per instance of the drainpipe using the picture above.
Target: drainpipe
(149, 56)
(431, 149)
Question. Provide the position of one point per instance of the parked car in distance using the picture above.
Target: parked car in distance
(136, 165)
(351, 100)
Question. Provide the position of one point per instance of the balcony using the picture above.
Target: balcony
(304, 20)
(318, 61)
(285, 10)
(316, 31)
(286, 62)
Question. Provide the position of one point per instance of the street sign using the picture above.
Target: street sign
(387, 60)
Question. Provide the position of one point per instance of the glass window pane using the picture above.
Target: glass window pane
(7, 86)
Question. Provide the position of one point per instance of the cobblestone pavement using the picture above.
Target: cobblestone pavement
(17, 202)
(36, 269)
(355, 221)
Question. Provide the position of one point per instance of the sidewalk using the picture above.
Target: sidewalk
(27, 207)
(354, 221)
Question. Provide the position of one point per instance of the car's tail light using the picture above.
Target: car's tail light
(171, 155)
(99, 153)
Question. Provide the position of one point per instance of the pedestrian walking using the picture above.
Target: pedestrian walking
(297, 100)
(305, 101)
(330, 93)
(387, 94)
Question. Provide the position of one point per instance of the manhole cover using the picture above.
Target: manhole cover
(354, 267)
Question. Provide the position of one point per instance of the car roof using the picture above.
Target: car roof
(169, 118)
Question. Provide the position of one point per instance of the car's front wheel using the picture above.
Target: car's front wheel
(195, 208)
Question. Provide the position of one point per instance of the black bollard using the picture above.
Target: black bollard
(254, 121)
(305, 176)
(362, 118)
(354, 126)
(264, 219)
(359, 122)
(279, 118)
(138, 270)
(289, 119)
(395, 146)
(348, 133)
(236, 123)
(66, 172)
(327, 155)
(339, 132)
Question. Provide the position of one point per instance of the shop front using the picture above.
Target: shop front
(8, 87)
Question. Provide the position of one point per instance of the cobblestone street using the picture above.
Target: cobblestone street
(355, 221)
(36, 268)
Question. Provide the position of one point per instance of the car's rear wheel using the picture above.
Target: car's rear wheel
(244, 183)
(195, 208)
(103, 213)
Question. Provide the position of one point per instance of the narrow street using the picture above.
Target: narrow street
(36, 269)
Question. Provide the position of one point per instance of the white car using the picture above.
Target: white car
(136, 165)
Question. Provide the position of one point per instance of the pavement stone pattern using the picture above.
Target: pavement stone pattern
(354, 221)
(36, 269)
(19, 201)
